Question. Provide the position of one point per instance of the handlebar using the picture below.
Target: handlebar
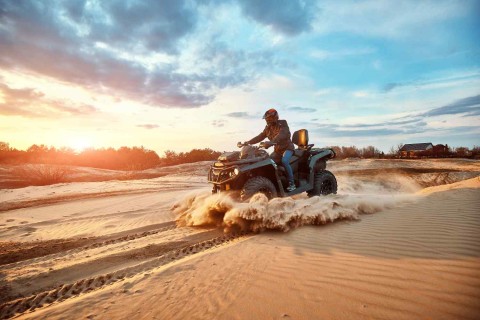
(261, 145)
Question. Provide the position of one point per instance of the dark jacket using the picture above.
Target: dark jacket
(279, 134)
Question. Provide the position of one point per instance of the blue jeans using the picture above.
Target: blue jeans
(287, 155)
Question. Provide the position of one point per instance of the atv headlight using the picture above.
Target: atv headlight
(233, 172)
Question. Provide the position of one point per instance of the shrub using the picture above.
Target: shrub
(41, 174)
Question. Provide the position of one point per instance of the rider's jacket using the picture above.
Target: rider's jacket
(278, 133)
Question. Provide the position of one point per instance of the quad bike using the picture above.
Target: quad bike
(251, 170)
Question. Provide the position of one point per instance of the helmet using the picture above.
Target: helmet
(271, 116)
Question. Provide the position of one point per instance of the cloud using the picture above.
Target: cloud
(219, 65)
(243, 115)
(458, 78)
(148, 126)
(474, 113)
(382, 19)
(376, 129)
(392, 85)
(415, 122)
(469, 106)
(218, 123)
(103, 47)
(363, 133)
(411, 124)
(137, 25)
(407, 125)
(348, 131)
(301, 109)
(328, 55)
(28, 102)
(288, 17)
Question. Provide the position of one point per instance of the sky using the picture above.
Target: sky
(178, 74)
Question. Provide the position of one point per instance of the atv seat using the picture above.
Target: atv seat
(299, 152)
(300, 138)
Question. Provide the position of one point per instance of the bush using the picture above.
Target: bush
(41, 174)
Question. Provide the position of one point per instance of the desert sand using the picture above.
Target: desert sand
(400, 240)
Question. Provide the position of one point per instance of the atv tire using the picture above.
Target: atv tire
(324, 183)
(258, 184)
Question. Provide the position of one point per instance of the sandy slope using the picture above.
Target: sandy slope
(399, 252)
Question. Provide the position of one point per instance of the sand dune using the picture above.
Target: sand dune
(393, 246)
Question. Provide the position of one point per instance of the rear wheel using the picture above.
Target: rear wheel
(324, 183)
(256, 185)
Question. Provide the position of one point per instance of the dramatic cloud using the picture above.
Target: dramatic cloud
(111, 47)
(154, 25)
(289, 17)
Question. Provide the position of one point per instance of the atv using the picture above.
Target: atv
(251, 171)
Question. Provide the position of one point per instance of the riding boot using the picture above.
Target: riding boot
(291, 186)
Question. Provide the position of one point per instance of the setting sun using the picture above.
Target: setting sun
(80, 144)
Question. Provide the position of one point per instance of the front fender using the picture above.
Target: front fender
(256, 165)
(270, 170)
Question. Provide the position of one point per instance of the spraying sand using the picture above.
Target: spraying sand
(259, 214)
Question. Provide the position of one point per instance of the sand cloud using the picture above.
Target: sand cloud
(284, 214)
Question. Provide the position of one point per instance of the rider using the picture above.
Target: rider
(278, 133)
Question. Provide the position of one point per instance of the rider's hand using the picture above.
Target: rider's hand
(268, 144)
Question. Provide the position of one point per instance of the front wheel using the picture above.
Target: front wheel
(324, 183)
(258, 184)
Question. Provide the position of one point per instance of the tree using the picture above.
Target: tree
(370, 152)
(461, 151)
(395, 150)
(4, 146)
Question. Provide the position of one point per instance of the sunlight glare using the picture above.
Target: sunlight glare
(80, 144)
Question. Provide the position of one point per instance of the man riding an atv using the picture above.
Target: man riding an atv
(278, 133)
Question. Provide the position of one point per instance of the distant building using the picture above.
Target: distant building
(414, 150)
(441, 150)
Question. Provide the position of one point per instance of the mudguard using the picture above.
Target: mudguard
(259, 164)
(265, 164)
(323, 153)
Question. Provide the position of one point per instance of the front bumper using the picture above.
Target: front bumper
(221, 175)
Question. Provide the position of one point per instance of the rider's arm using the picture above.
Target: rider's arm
(258, 138)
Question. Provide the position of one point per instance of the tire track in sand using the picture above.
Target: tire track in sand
(67, 290)
(55, 249)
